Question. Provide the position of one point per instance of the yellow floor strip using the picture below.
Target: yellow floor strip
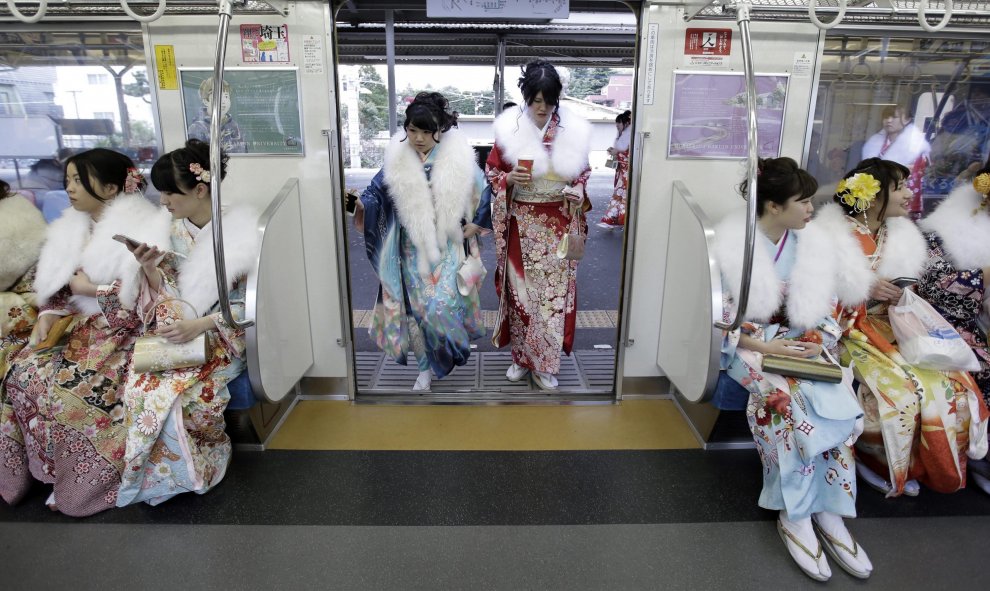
(633, 424)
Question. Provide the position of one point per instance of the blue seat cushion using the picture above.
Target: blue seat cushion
(241, 394)
(729, 395)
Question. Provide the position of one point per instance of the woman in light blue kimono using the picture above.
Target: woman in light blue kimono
(174, 419)
(416, 215)
(803, 429)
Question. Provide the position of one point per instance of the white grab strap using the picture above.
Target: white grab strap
(42, 7)
(141, 17)
(812, 4)
(923, 21)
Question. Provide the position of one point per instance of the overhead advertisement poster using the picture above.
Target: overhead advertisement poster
(708, 115)
(519, 9)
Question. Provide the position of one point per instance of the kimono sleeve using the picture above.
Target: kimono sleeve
(730, 339)
(483, 214)
(496, 169)
(233, 338)
(373, 200)
(118, 317)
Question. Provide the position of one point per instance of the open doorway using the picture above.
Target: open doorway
(594, 48)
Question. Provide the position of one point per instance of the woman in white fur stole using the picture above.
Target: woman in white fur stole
(176, 440)
(69, 417)
(917, 421)
(954, 280)
(533, 208)
(22, 232)
(416, 216)
(804, 429)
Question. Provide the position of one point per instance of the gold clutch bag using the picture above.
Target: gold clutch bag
(807, 369)
(153, 354)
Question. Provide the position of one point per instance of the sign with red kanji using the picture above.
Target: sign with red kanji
(707, 41)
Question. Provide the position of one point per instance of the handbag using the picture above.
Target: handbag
(472, 271)
(807, 369)
(154, 354)
(571, 245)
(55, 334)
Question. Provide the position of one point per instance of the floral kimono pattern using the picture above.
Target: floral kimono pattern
(615, 212)
(425, 315)
(917, 421)
(68, 416)
(539, 306)
(802, 428)
(18, 313)
(176, 440)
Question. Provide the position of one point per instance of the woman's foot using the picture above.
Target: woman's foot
(423, 382)
(50, 502)
(841, 546)
(981, 482)
(516, 372)
(874, 480)
(802, 544)
(912, 488)
(544, 380)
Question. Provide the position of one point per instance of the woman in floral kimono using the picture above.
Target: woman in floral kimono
(174, 419)
(68, 416)
(958, 236)
(416, 215)
(534, 207)
(615, 213)
(804, 429)
(917, 421)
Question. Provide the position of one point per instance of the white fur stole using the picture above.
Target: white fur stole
(75, 242)
(829, 263)
(904, 251)
(517, 136)
(22, 232)
(965, 237)
(241, 245)
(431, 211)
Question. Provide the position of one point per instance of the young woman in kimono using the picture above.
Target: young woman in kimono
(532, 210)
(416, 215)
(22, 232)
(615, 213)
(174, 419)
(67, 426)
(804, 429)
(917, 421)
(958, 236)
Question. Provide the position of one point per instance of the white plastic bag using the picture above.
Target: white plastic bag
(928, 340)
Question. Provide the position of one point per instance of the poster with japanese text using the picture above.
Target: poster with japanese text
(268, 44)
(260, 109)
(709, 117)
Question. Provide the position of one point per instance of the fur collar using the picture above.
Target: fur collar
(965, 237)
(75, 242)
(517, 136)
(829, 263)
(431, 211)
(904, 251)
(241, 243)
(22, 232)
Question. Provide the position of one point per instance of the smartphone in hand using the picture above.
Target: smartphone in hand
(903, 282)
(130, 243)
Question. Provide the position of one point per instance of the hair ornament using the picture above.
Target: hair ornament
(858, 191)
(202, 176)
(982, 183)
(134, 180)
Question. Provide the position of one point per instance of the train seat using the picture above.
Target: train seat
(242, 396)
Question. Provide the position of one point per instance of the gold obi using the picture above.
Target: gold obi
(546, 189)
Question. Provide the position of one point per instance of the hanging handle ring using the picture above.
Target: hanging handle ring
(42, 7)
(144, 18)
(813, 4)
(923, 20)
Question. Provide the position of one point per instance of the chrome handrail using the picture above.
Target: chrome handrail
(224, 11)
(742, 299)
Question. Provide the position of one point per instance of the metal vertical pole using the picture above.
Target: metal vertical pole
(390, 60)
(499, 86)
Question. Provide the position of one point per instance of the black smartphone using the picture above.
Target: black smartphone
(350, 202)
(903, 282)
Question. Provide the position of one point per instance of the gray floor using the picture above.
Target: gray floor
(908, 553)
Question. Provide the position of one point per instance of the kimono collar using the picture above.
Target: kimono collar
(516, 136)
(965, 236)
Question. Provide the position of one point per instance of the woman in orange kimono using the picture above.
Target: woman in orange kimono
(920, 424)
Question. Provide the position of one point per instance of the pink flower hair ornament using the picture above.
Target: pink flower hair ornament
(202, 176)
(134, 180)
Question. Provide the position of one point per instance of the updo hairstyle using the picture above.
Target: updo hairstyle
(779, 180)
(887, 173)
(171, 173)
(430, 111)
(4, 189)
(540, 76)
(625, 118)
(105, 166)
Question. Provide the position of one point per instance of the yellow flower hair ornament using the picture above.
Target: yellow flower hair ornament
(982, 183)
(858, 191)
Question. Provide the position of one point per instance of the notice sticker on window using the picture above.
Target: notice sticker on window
(165, 65)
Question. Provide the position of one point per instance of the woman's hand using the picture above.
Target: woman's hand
(792, 348)
(472, 230)
(148, 257)
(520, 175)
(611, 151)
(184, 331)
(885, 291)
(80, 284)
(359, 216)
(44, 325)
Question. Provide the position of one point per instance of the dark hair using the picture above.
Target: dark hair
(779, 180)
(625, 117)
(887, 173)
(106, 166)
(171, 173)
(4, 189)
(540, 76)
(430, 111)
(508, 105)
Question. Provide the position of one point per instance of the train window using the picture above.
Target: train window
(924, 102)
(63, 90)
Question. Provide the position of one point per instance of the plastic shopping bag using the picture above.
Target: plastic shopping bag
(928, 340)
